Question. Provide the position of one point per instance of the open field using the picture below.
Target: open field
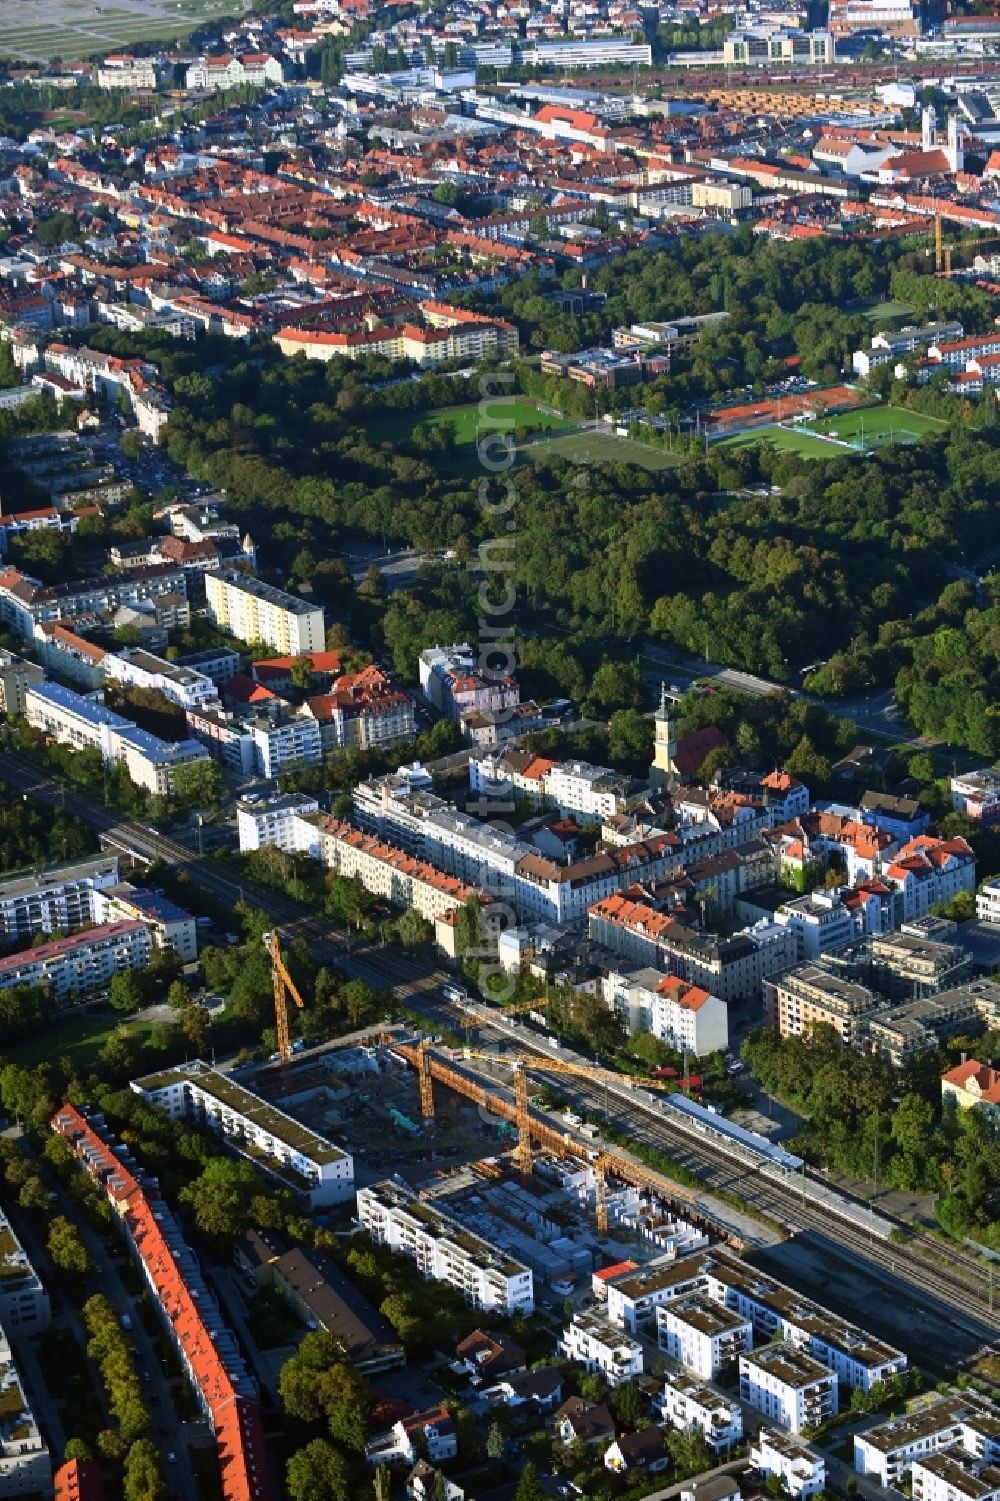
(40, 29)
(601, 448)
(786, 440)
(467, 422)
(79, 1037)
(879, 425)
(880, 311)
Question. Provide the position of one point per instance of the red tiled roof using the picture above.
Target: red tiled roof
(78, 1480)
(618, 1270)
(236, 1420)
(986, 1079)
(692, 750)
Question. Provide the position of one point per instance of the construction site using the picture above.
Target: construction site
(556, 1204)
(472, 1132)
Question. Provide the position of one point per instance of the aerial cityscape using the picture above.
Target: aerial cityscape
(500, 750)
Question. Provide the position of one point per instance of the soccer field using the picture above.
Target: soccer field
(600, 448)
(785, 440)
(470, 422)
(878, 426)
(40, 29)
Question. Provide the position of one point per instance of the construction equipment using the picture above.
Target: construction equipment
(426, 1087)
(560, 1143)
(284, 986)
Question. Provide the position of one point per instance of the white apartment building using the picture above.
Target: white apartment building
(170, 927)
(314, 1169)
(789, 1387)
(279, 820)
(967, 1422)
(251, 610)
(600, 1348)
(691, 1405)
(282, 741)
(587, 793)
(819, 921)
(988, 902)
(25, 1463)
(633, 1298)
(81, 722)
(82, 962)
(444, 1250)
(778, 1312)
(123, 72)
(55, 900)
(954, 1477)
(703, 1335)
(24, 1303)
(686, 1017)
(801, 1470)
(72, 719)
(927, 871)
(140, 669)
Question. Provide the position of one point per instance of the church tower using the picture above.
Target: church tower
(664, 767)
(928, 128)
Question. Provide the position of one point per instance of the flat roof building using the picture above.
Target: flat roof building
(305, 1162)
(442, 1248)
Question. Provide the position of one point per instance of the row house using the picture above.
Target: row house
(390, 873)
(363, 709)
(728, 968)
(207, 1350)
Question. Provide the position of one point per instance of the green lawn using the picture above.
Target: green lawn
(880, 425)
(79, 1037)
(601, 448)
(879, 311)
(785, 440)
(468, 422)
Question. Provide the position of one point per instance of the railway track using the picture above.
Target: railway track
(959, 1281)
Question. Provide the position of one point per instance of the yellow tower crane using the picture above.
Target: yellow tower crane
(521, 1066)
(284, 986)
